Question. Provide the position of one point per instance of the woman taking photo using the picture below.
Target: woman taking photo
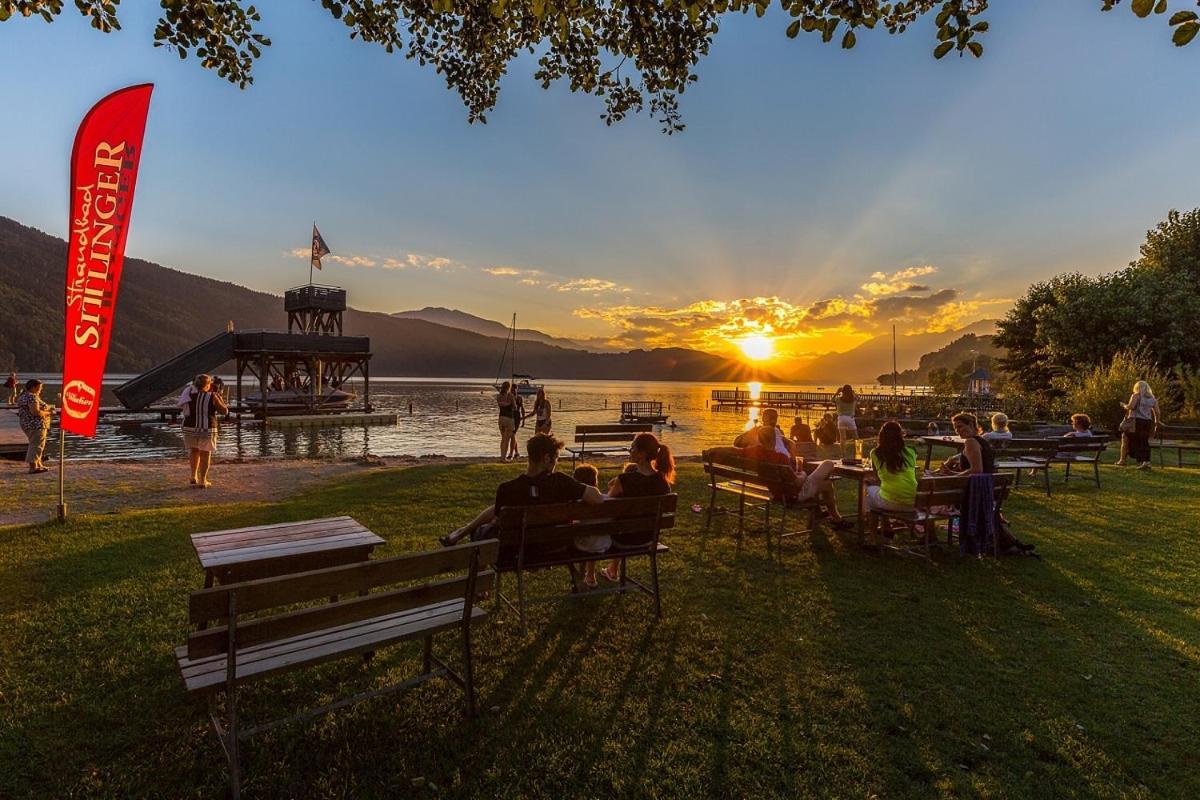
(505, 402)
(1142, 408)
(650, 473)
(846, 406)
(200, 413)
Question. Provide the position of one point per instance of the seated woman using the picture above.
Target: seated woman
(806, 485)
(977, 455)
(895, 466)
(827, 430)
(651, 473)
(538, 485)
(999, 427)
(1081, 425)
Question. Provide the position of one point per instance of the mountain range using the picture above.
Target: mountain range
(162, 311)
(453, 318)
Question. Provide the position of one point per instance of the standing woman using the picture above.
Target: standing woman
(508, 428)
(1143, 409)
(651, 473)
(844, 403)
(34, 417)
(11, 385)
(200, 427)
(518, 417)
(541, 412)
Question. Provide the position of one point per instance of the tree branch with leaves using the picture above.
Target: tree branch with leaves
(587, 43)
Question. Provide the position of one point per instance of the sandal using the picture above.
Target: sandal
(610, 578)
(592, 584)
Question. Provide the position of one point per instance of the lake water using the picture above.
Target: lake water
(448, 417)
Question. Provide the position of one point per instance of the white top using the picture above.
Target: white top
(998, 435)
(1142, 407)
(1078, 434)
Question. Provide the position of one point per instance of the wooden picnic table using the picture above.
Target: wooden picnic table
(860, 473)
(943, 441)
(265, 551)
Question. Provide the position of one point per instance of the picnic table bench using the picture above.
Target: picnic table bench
(1180, 438)
(763, 485)
(258, 630)
(1080, 451)
(263, 551)
(540, 537)
(601, 440)
(1018, 455)
(939, 498)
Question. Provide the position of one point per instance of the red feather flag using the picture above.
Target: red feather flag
(104, 167)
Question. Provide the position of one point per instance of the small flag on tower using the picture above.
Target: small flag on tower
(319, 248)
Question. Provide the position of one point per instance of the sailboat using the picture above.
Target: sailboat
(523, 384)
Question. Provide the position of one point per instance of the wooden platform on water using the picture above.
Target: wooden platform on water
(12, 439)
(331, 420)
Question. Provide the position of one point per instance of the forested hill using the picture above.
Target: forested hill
(949, 357)
(162, 312)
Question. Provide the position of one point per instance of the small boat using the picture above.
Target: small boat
(299, 401)
(522, 384)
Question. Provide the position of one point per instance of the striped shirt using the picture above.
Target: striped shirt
(200, 416)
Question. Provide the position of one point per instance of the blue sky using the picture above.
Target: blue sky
(804, 171)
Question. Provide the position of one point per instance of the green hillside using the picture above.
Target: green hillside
(162, 312)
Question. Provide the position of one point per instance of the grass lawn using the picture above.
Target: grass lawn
(823, 671)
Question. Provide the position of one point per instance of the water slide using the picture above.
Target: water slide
(171, 375)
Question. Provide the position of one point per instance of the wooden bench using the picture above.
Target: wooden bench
(759, 483)
(254, 629)
(540, 537)
(1179, 438)
(1080, 451)
(602, 440)
(1034, 455)
(939, 498)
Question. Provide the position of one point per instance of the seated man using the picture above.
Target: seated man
(768, 421)
(802, 485)
(539, 485)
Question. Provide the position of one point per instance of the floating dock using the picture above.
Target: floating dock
(642, 411)
(330, 420)
(13, 442)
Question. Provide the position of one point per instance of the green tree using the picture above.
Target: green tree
(1072, 321)
(630, 53)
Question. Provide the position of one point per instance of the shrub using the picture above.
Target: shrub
(1188, 389)
(1099, 391)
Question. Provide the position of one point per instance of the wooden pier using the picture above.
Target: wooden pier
(737, 399)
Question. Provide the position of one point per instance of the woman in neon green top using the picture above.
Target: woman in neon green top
(895, 464)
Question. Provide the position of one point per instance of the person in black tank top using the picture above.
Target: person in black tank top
(977, 455)
(650, 474)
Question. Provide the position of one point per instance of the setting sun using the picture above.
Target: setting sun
(757, 348)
